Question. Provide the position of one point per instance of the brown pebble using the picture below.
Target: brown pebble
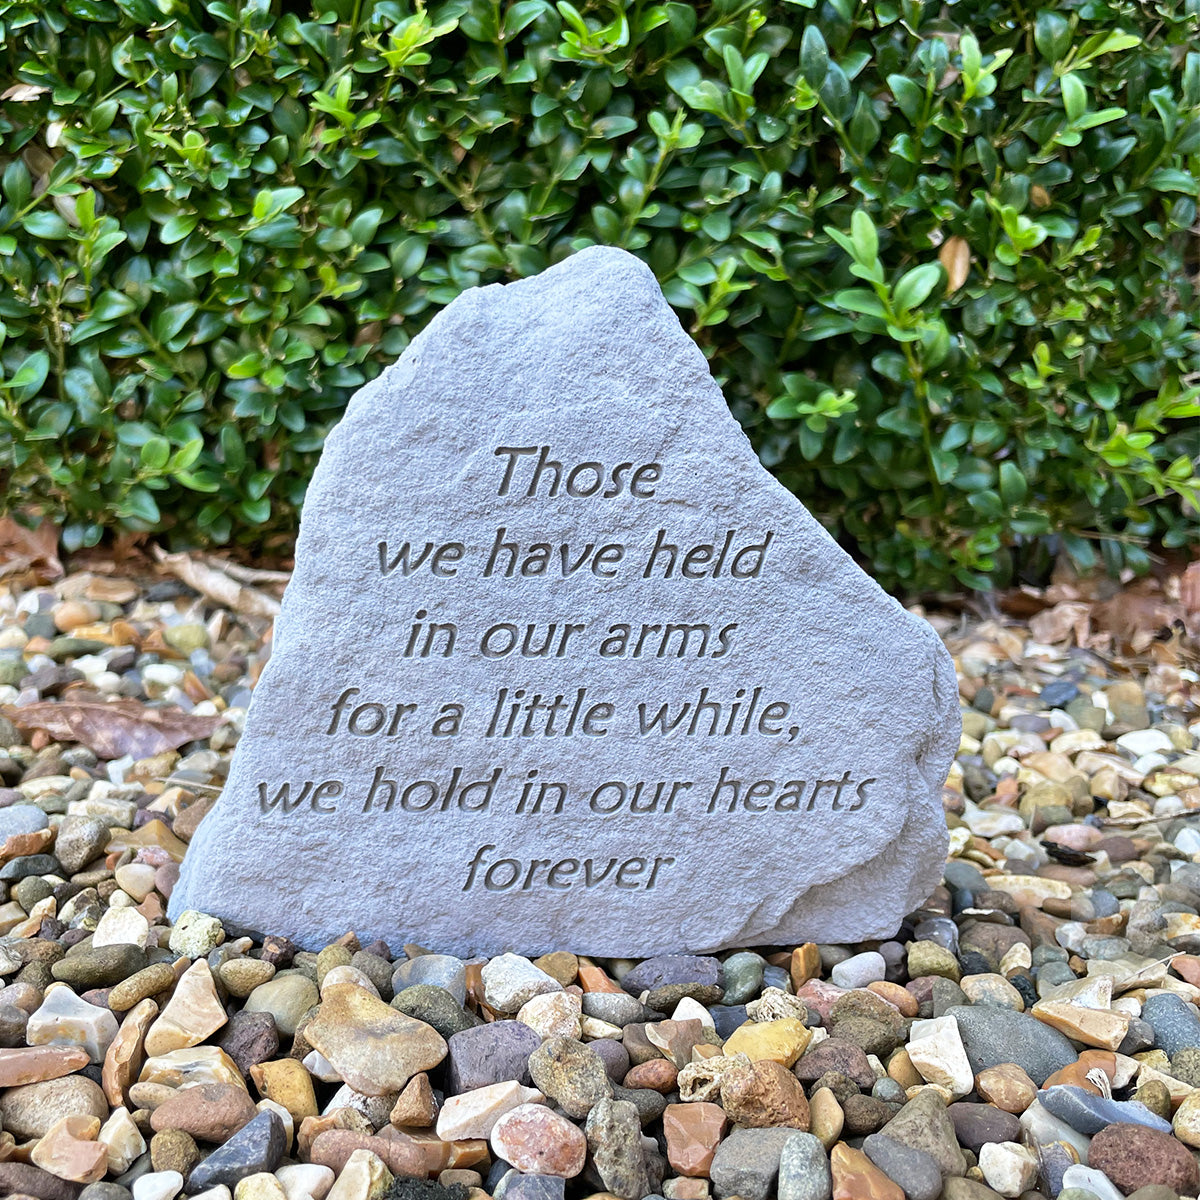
(211, 1112)
(174, 1150)
(659, 1074)
(403, 1157)
(147, 982)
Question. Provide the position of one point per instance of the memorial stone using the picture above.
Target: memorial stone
(561, 666)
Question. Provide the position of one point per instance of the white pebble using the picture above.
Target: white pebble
(936, 1049)
(1092, 1180)
(301, 1180)
(1145, 741)
(858, 971)
(158, 1185)
(1008, 1167)
(509, 981)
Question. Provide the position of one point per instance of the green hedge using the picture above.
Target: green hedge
(938, 254)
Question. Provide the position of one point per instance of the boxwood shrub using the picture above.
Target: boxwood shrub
(942, 257)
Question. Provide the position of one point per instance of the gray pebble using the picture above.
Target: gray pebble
(746, 1163)
(914, 1170)
(441, 970)
(998, 1035)
(804, 1169)
(21, 818)
(1175, 1024)
(743, 977)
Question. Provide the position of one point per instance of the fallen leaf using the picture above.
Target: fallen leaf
(955, 256)
(1060, 622)
(113, 728)
(23, 92)
(1189, 588)
(25, 550)
(217, 585)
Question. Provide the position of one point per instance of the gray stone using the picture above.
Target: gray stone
(257, 1146)
(21, 818)
(441, 970)
(490, 1054)
(614, 1056)
(435, 1006)
(570, 1074)
(998, 1035)
(617, 1008)
(614, 1137)
(655, 574)
(804, 1170)
(515, 1186)
(99, 966)
(26, 865)
(743, 974)
(666, 970)
(79, 840)
(746, 1163)
(923, 1124)
(1176, 1026)
(914, 1170)
(1089, 1113)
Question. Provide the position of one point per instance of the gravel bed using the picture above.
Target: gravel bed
(1032, 1031)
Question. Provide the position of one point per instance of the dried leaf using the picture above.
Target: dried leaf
(1189, 588)
(113, 728)
(955, 256)
(1070, 618)
(217, 585)
(23, 92)
(25, 550)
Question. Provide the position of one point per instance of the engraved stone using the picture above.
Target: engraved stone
(562, 665)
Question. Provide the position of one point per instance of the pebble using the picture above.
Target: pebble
(210, 1112)
(257, 1146)
(490, 1054)
(510, 981)
(614, 1140)
(1132, 1156)
(438, 970)
(158, 1185)
(538, 1141)
(436, 1007)
(64, 1019)
(667, 969)
(692, 1133)
(1175, 1023)
(804, 1172)
(859, 970)
(473, 1114)
(1089, 1113)
(79, 841)
(99, 967)
(364, 1177)
(855, 1177)
(992, 1036)
(747, 1162)
(570, 1074)
(29, 1111)
(916, 1172)
(287, 998)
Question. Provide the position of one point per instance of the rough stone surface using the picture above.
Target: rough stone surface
(1133, 1156)
(858, 699)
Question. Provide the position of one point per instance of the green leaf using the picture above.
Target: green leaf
(864, 238)
(1013, 487)
(154, 453)
(1074, 96)
(814, 57)
(913, 287)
